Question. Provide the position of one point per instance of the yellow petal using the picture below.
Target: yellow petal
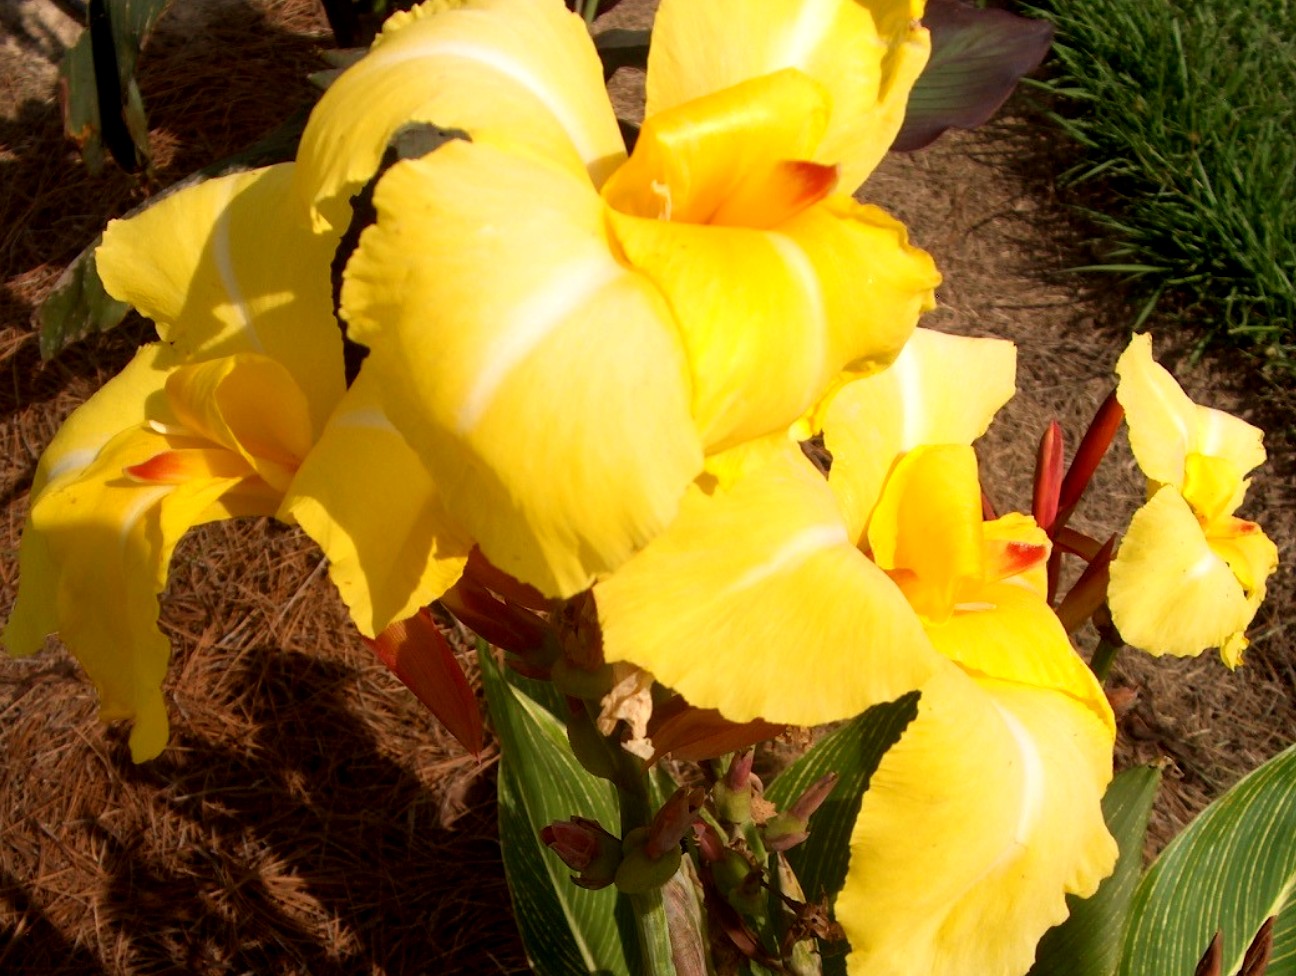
(922, 398)
(716, 160)
(369, 502)
(518, 74)
(123, 402)
(550, 399)
(106, 541)
(229, 266)
(248, 404)
(770, 316)
(1017, 549)
(1170, 592)
(1006, 632)
(1162, 420)
(926, 529)
(975, 826)
(773, 613)
(867, 54)
(1229, 438)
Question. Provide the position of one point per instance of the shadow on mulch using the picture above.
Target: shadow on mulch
(300, 847)
(205, 101)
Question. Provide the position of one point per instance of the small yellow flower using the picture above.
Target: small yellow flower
(1189, 575)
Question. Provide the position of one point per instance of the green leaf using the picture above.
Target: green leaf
(1229, 870)
(1088, 942)
(977, 58)
(567, 930)
(622, 48)
(103, 104)
(78, 305)
(853, 753)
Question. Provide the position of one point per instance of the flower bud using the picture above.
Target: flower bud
(733, 793)
(792, 826)
(673, 821)
(586, 848)
(639, 871)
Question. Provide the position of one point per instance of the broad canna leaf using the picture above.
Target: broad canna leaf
(977, 58)
(567, 930)
(1230, 870)
(853, 753)
(1088, 942)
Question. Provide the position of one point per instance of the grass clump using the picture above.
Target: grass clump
(1185, 112)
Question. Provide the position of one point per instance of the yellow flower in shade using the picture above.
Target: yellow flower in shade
(240, 411)
(1189, 575)
(801, 599)
(563, 333)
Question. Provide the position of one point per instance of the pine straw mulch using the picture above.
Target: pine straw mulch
(309, 817)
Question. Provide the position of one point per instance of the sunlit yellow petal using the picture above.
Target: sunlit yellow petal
(367, 499)
(1009, 633)
(975, 826)
(714, 160)
(1017, 549)
(926, 529)
(1230, 438)
(922, 398)
(769, 317)
(551, 397)
(773, 613)
(228, 266)
(121, 403)
(1170, 593)
(867, 54)
(249, 404)
(518, 74)
(1162, 420)
(107, 541)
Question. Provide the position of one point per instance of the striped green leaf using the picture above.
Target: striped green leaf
(567, 930)
(853, 753)
(1088, 942)
(1233, 867)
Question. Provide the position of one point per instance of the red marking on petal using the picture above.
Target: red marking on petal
(1014, 558)
(418, 653)
(167, 468)
(806, 183)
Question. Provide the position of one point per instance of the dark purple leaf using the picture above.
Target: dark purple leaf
(977, 58)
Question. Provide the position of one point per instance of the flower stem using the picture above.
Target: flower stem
(651, 922)
(1103, 656)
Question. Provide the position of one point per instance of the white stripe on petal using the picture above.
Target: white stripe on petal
(533, 320)
(1032, 774)
(542, 88)
(223, 254)
(795, 259)
(796, 550)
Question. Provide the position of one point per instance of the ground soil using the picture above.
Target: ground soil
(308, 816)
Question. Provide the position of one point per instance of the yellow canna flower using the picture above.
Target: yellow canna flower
(240, 411)
(801, 599)
(588, 327)
(1189, 575)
